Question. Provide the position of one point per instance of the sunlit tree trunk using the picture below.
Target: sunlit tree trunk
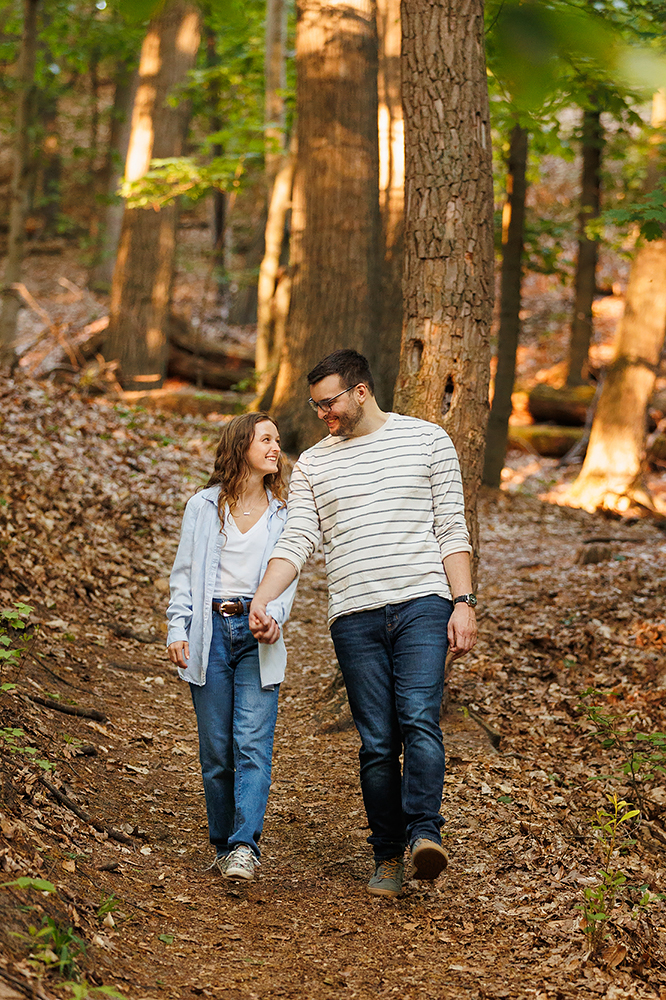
(101, 274)
(586, 262)
(335, 214)
(611, 476)
(143, 276)
(391, 200)
(513, 227)
(448, 272)
(19, 185)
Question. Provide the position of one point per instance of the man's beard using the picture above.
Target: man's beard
(348, 421)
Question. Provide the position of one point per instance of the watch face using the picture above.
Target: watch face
(472, 601)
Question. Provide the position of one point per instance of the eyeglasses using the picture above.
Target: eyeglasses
(325, 404)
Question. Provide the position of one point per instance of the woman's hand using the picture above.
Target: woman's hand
(179, 653)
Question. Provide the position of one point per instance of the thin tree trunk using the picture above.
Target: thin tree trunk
(275, 74)
(143, 276)
(335, 214)
(270, 315)
(51, 160)
(219, 197)
(391, 199)
(513, 227)
(101, 274)
(448, 272)
(586, 263)
(19, 185)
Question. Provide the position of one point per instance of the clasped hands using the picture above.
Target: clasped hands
(262, 626)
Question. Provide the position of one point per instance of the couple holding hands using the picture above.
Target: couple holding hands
(383, 494)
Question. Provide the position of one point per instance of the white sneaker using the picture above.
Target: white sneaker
(241, 864)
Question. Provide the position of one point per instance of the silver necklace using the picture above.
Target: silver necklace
(246, 513)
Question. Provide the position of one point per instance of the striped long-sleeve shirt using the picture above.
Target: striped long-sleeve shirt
(388, 507)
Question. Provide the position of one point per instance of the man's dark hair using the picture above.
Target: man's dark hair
(351, 366)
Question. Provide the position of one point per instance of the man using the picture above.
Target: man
(384, 493)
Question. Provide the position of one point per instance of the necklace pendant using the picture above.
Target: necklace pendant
(246, 513)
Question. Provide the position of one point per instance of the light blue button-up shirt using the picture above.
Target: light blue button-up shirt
(190, 611)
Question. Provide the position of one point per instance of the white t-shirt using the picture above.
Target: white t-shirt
(239, 572)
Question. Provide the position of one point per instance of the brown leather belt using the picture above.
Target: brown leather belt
(237, 606)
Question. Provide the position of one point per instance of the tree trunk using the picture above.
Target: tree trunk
(611, 476)
(270, 316)
(391, 200)
(335, 214)
(448, 272)
(101, 274)
(19, 185)
(275, 75)
(586, 263)
(143, 276)
(513, 227)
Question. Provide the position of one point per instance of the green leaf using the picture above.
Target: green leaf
(166, 938)
(25, 882)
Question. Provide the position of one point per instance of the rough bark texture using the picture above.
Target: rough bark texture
(611, 474)
(19, 186)
(448, 272)
(586, 262)
(142, 280)
(509, 324)
(391, 200)
(335, 214)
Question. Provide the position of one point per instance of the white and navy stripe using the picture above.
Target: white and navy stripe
(388, 507)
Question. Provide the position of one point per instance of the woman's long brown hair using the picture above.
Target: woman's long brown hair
(231, 467)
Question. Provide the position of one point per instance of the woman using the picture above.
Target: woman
(229, 531)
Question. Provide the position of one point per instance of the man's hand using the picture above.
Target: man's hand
(179, 652)
(461, 630)
(262, 626)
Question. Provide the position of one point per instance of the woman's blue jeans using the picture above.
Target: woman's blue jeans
(236, 722)
(392, 660)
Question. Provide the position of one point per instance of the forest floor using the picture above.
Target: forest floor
(91, 495)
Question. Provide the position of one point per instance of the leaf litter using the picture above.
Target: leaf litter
(91, 496)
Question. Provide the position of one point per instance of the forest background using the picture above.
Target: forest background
(201, 200)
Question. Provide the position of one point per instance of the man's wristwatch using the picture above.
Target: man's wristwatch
(469, 599)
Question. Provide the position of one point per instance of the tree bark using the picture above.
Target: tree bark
(513, 228)
(586, 262)
(611, 476)
(271, 316)
(143, 276)
(19, 185)
(101, 274)
(335, 213)
(275, 75)
(448, 270)
(391, 200)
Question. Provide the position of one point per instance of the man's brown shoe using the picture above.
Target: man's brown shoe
(428, 859)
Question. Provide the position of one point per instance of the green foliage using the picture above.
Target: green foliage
(642, 755)
(609, 828)
(183, 175)
(13, 620)
(84, 991)
(10, 737)
(54, 946)
(25, 882)
(648, 214)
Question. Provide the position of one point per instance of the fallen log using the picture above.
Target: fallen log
(565, 407)
(65, 800)
(219, 366)
(545, 439)
(83, 713)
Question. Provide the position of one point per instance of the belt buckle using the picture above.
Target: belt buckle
(236, 605)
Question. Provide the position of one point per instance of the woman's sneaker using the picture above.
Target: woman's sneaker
(241, 864)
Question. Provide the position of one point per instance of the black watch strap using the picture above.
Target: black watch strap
(469, 599)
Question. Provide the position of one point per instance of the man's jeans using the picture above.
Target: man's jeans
(392, 660)
(236, 721)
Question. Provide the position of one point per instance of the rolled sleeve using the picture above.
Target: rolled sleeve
(179, 612)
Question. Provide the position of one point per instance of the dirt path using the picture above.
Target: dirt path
(504, 920)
